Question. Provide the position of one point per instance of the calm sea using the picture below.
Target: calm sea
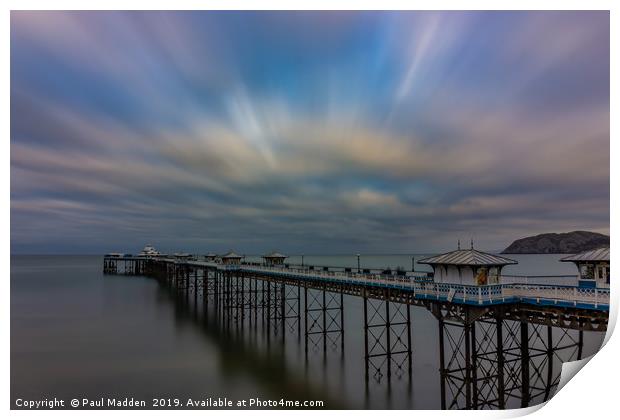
(76, 333)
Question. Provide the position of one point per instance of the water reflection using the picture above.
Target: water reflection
(246, 351)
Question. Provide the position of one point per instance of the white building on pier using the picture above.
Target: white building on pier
(593, 267)
(231, 258)
(274, 258)
(467, 267)
(149, 251)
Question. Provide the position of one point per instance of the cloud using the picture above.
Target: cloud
(209, 138)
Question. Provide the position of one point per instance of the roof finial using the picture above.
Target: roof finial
(472, 243)
(459, 244)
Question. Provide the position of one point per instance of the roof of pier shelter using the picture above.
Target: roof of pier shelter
(275, 255)
(467, 257)
(594, 255)
(231, 254)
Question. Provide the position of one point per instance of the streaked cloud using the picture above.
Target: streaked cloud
(380, 132)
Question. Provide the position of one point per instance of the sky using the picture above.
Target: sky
(306, 132)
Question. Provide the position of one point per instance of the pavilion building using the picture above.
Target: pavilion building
(274, 258)
(467, 267)
(593, 267)
(231, 258)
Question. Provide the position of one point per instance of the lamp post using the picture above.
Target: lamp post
(358, 263)
(302, 260)
(413, 264)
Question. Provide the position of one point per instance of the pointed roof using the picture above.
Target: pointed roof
(599, 254)
(467, 257)
(275, 255)
(231, 254)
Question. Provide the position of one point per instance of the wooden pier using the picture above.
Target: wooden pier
(497, 343)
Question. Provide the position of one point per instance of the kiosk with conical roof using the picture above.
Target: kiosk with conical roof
(274, 258)
(231, 258)
(593, 267)
(467, 266)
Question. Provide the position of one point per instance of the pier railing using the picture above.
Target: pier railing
(559, 291)
(568, 280)
(529, 292)
(421, 276)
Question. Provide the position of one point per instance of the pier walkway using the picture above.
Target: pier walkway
(549, 291)
(424, 288)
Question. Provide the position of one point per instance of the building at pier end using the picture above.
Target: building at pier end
(593, 267)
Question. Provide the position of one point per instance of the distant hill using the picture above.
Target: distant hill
(558, 243)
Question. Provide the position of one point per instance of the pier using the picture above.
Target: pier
(499, 344)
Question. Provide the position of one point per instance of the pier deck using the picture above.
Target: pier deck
(520, 289)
